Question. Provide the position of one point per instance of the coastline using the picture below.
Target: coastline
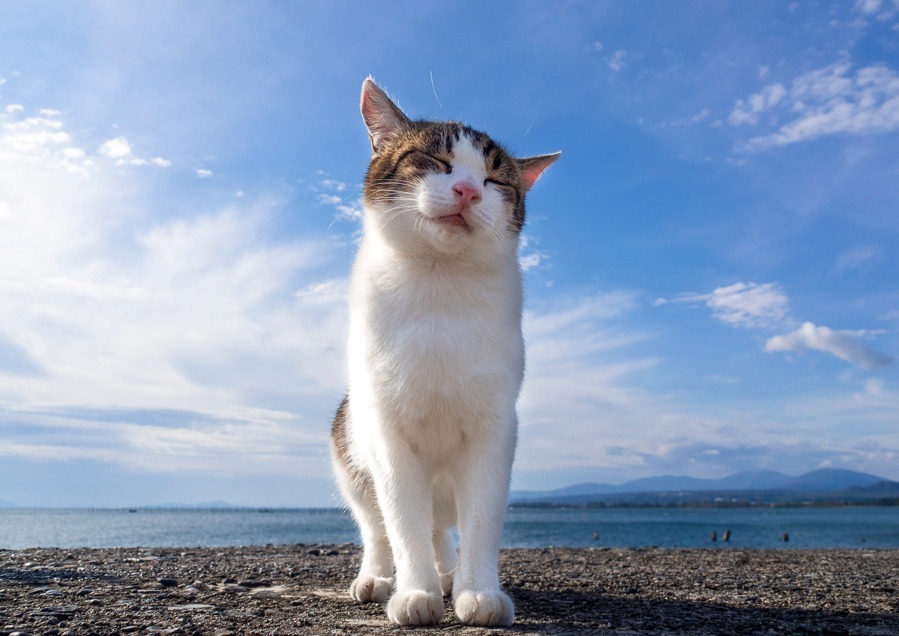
(300, 589)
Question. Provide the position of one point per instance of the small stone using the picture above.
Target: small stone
(264, 594)
(58, 612)
(130, 628)
(52, 593)
(167, 582)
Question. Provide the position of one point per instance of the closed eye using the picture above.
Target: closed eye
(501, 184)
(443, 164)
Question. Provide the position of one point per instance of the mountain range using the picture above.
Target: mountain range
(752, 486)
(764, 486)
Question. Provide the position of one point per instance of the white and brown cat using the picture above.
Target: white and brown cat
(425, 437)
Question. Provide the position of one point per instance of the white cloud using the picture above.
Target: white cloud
(868, 6)
(842, 344)
(203, 173)
(115, 305)
(765, 306)
(828, 101)
(616, 62)
(38, 140)
(329, 292)
(578, 399)
(877, 9)
(253, 441)
(119, 150)
(748, 112)
(531, 261)
(329, 199)
(742, 304)
(343, 197)
(858, 259)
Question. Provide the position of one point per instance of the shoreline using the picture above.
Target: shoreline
(301, 589)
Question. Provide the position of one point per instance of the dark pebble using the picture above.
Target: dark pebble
(168, 582)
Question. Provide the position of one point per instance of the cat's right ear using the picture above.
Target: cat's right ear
(381, 116)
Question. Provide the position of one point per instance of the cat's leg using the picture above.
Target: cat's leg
(482, 490)
(444, 546)
(404, 492)
(374, 582)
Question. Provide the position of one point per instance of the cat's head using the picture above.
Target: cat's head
(442, 185)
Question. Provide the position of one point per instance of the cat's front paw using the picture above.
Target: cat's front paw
(487, 609)
(371, 589)
(415, 607)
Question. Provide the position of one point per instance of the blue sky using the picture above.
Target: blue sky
(711, 267)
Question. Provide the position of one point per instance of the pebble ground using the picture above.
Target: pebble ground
(300, 589)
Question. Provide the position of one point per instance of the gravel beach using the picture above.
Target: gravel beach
(300, 589)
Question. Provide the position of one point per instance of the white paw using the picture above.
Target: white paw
(415, 607)
(371, 589)
(446, 583)
(484, 608)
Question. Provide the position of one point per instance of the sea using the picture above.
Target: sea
(758, 527)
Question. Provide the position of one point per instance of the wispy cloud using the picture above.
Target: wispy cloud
(345, 198)
(753, 305)
(880, 9)
(843, 344)
(579, 356)
(186, 311)
(253, 441)
(836, 99)
(858, 259)
(742, 304)
(616, 62)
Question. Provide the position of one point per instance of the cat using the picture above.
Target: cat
(425, 436)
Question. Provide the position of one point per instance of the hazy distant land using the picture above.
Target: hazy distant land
(826, 486)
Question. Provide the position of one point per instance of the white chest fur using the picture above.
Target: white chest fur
(435, 344)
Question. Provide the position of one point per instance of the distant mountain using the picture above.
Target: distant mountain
(831, 479)
(7, 504)
(760, 486)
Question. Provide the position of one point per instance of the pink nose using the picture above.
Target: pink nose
(467, 192)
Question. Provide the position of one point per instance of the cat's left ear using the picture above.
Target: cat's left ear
(532, 167)
(381, 116)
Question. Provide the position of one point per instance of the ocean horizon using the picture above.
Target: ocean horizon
(757, 527)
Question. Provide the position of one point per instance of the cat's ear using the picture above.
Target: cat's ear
(381, 116)
(532, 167)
